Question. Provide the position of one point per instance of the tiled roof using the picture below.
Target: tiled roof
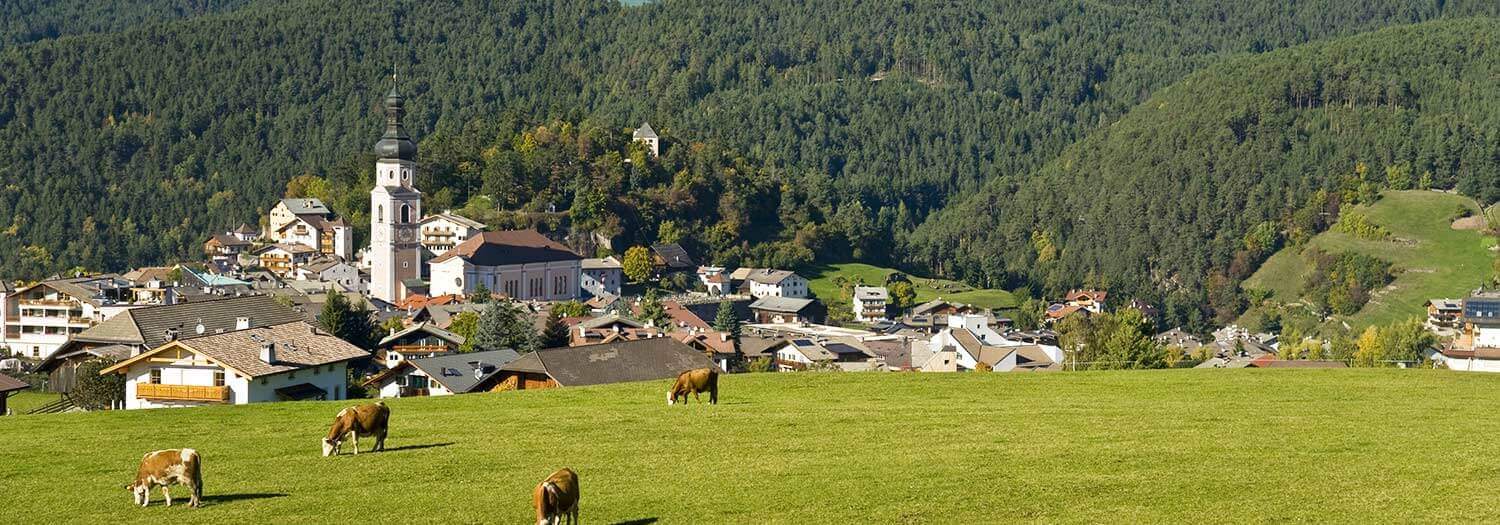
(11, 384)
(768, 276)
(148, 325)
(297, 345)
(607, 263)
(456, 219)
(509, 247)
(300, 206)
(456, 371)
(424, 328)
(673, 256)
(781, 304)
(618, 362)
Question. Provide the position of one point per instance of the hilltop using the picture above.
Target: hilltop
(1431, 258)
(1160, 203)
(1356, 446)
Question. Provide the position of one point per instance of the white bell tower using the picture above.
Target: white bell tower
(395, 209)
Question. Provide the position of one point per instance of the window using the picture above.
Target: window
(405, 212)
(218, 378)
(155, 376)
(458, 281)
(380, 213)
(406, 264)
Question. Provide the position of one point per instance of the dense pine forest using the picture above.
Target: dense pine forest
(1182, 198)
(795, 131)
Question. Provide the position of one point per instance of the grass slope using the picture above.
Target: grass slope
(25, 400)
(1434, 260)
(1182, 445)
(821, 284)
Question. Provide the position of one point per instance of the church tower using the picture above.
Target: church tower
(395, 208)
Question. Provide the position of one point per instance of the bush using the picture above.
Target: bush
(96, 392)
(760, 364)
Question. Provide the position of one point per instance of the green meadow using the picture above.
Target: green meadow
(1354, 446)
(1431, 258)
(820, 282)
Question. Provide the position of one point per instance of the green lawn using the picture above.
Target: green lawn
(25, 400)
(1434, 260)
(821, 284)
(1358, 446)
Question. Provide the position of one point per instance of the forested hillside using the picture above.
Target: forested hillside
(129, 147)
(1184, 196)
(25, 21)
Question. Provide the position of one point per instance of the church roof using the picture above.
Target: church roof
(395, 143)
(509, 247)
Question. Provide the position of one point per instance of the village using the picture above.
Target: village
(460, 308)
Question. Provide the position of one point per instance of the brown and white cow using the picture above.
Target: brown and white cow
(556, 498)
(693, 382)
(356, 421)
(164, 468)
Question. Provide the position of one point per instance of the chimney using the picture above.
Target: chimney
(724, 337)
(478, 370)
(242, 323)
(582, 332)
(268, 352)
(171, 334)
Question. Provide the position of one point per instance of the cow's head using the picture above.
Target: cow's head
(139, 492)
(671, 396)
(330, 447)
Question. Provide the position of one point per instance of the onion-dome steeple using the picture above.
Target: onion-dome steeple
(395, 143)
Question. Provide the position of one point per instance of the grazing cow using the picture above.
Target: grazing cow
(356, 421)
(693, 382)
(556, 498)
(164, 468)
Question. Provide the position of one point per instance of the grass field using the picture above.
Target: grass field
(821, 284)
(1181, 445)
(1434, 260)
(23, 401)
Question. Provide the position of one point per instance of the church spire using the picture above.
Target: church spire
(395, 143)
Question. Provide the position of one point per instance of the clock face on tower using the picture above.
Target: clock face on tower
(405, 235)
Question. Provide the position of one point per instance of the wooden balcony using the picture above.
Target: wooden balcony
(208, 394)
(419, 349)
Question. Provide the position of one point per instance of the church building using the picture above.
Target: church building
(395, 209)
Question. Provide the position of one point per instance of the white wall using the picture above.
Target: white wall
(242, 390)
(1488, 337)
(1472, 365)
(457, 276)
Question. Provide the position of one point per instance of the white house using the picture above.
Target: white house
(647, 136)
(869, 303)
(715, 280)
(973, 342)
(442, 375)
(310, 223)
(1477, 347)
(443, 231)
(776, 283)
(802, 354)
(330, 269)
(284, 258)
(601, 277)
(38, 319)
(522, 264)
(292, 361)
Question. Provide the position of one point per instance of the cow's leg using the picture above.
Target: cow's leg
(356, 442)
(713, 396)
(197, 493)
(166, 494)
(380, 441)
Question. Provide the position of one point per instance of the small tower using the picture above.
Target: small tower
(647, 135)
(395, 208)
